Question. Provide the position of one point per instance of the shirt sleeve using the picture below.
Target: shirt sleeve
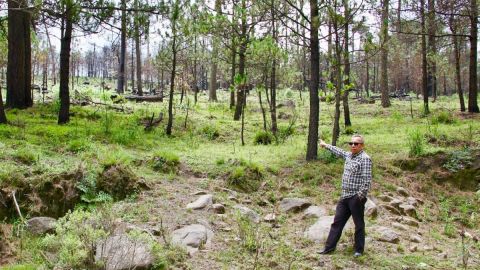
(337, 151)
(366, 176)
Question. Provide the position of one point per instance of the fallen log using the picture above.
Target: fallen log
(152, 98)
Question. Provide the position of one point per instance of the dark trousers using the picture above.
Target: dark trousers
(354, 207)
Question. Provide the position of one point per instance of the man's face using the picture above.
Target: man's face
(356, 145)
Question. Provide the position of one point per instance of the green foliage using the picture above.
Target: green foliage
(459, 160)
(443, 117)
(25, 156)
(90, 192)
(166, 162)
(112, 157)
(245, 177)
(210, 132)
(263, 137)
(78, 145)
(327, 156)
(248, 233)
(76, 235)
(416, 142)
(284, 132)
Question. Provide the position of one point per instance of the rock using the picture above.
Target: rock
(402, 191)
(218, 208)
(122, 253)
(318, 232)
(391, 209)
(427, 248)
(396, 203)
(233, 198)
(443, 255)
(415, 238)
(412, 201)
(41, 225)
(399, 226)
(293, 204)
(247, 212)
(270, 217)
(422, 265)
(409, 222)
(314, 211)
(408, 210)
(385, 198)
(413, 248)
(201, 202)
(193, 237)
(371, 209)
(199, 193)
(387, 235)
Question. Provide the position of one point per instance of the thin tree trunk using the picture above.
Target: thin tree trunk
(473, 86)
(384, 56)
(232, 77)
(212, 89)
(456, 52)
(273, 82)
(3, 117)
(338, 85)
(241, 66)
(139, 60)
(432, 50)
(312, 143)
(424, 59)
(64, 113)
(346, 109)
(367, 86)
(123, 50)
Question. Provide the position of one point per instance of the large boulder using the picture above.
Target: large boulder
(314, 211)
(193, 237)
(293, 204)
(122, 253)
(388, 235)
(41, 225)
(318, 232)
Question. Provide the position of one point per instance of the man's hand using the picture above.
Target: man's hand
(322, 143)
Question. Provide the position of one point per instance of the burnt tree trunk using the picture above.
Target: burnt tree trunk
(424, 59)
(273, 80)
(123, 50)
(384, 56)
(473, 86)
(456, 52)
(346, 109)
(64, 113)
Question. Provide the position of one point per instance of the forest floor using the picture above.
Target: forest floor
(205, 156)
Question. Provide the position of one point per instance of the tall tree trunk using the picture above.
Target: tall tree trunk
(346, 109)
(212, 89)
(273, 80)
(172, 83)
(138, 55)
(312, 143)
(19, 74)
(432, 50)
(241, 65)
(123, 50)
(64, 113)
(232, 76)
(132, 70)
(367, 81)
(384, 56)
(424, 59)
(456, 52)
(338, 85)
(473, 86)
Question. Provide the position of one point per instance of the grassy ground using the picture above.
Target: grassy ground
(33, 148)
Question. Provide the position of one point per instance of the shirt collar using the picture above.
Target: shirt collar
(357, 154)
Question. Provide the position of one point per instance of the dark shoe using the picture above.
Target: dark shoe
(326, 251)
(357, 254)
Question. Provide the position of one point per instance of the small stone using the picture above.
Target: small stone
(201, 202)
(270, 217)
(293, 204)
(385, 198)
(415, 238)
(192, 237)
(422, 265)
(233, 198)
(218, 208)
(396, 203)
(391, 209)
(371, 209)
(413, 248)
(443, 255)
(314, 211)
(412, 201)
(410, 222)
(399, 226)
(247, 201)
(247, 212)
(427, 248)
(408, 210)
(198, 193)
(387, 235)
(468, 235)
(402, 191)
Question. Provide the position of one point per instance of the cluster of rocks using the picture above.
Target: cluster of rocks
(401, 204)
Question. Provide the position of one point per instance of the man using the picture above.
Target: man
(356, 180)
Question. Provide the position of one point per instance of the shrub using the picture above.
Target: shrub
(458, 160)
(77, 145)
(76, 235)
(443, 117)
(285, 131)
(248, 233)
(166, 162)
(263, 137)
(210, 132)
(25, 156)
(119, 181)
(327, 156)
(416, 142)
(245, 177)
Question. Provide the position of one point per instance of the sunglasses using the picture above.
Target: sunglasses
(354, 143)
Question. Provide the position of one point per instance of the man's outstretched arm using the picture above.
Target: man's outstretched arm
(335, 150)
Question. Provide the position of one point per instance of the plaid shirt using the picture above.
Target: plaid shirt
(357, 173)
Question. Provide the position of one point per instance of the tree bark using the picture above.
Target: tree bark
(212, 89)
(232, 77)
(168, 130)
(312, 143)
(432, 50)
(456, 52)
(3, 117)
(19, 75)
(338, 84)
(64, 113)
(384, 56)
(273, 80)
(473, 86)
(241, 66)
